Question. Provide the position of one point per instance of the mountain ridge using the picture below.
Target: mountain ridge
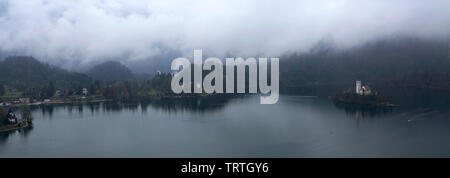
(110, 71)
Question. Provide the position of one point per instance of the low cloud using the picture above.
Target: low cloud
(80, 32)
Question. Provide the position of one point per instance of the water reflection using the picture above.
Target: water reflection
(46, 109)
(363, 112)
(202, 104)
(93, 107)
(294, 127)
(22, 132)
(205, 104)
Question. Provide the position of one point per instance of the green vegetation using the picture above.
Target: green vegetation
(399, 61)
(27, 77)
(2, 91)
(368, 100)
(27, 74)
(12, 94)
(26, 113)
(157, 86)
(3, 118)
(25, 121)
(110, 71)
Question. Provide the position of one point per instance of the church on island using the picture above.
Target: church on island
(363, 94)
(362, 89)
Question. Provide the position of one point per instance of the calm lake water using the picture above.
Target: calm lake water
(240, 127)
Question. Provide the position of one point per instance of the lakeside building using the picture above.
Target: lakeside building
(362, 89)
(24, 100)
(85, 91)
(58, 93)
(12, 119)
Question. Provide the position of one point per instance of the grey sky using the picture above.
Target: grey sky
(83, 31)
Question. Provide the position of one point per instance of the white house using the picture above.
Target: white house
(85, 91)
(12, 117)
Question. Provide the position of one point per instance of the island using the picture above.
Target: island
(363, 95)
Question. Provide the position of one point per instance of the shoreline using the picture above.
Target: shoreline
(160, 97)
(14, 127)
(58, 102)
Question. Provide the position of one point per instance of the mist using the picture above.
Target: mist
(75, 33)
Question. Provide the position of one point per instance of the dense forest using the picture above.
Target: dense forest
(27, 77)
(23, 72)
(405, 61)
(3, 117)
(111, 71)
(402, 61)
(134, 90)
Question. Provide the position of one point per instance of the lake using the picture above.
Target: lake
(241, 127)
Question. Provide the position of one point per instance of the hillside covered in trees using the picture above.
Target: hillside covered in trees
(407, 62)
(23, 72)
(27, 77)
(110, 71)
(402, 61)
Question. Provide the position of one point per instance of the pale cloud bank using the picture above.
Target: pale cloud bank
(83, 31)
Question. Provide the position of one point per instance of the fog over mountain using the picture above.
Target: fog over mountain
(77, 33)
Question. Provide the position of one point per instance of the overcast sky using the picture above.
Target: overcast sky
(82, 31)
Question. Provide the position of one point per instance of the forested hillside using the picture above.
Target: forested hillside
(22, 72)
(401, 61)
(111, 71)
